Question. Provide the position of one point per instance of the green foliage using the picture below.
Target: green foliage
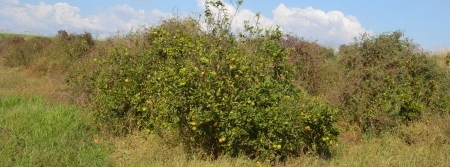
(389, 82)
(75, 45)
(222, 94)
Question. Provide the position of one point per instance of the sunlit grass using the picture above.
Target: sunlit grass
(432, 148)
(35, 132)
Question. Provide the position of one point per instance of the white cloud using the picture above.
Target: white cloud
(49, 18)
(329, 27)
(125, 18)
(45, 17)
(332, 27)
(240, 16)
(69, 16)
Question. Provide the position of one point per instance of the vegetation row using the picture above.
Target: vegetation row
(256, 92)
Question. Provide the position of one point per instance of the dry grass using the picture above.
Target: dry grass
(431, 147)
(442, 59)
(424, 143)
(141, 149)
(17, 81)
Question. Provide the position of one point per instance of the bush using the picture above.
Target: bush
(313, 64)
(44, 55)
(8, 43)
(224, 95)
(389, 82)
(75, 45)
(24, 52)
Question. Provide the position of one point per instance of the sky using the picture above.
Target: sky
(330, 23)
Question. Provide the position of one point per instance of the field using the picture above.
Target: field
(55, 109)
(37, 130)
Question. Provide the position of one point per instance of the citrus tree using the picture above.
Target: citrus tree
(223, 92)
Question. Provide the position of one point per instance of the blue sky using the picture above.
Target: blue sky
(331, 23)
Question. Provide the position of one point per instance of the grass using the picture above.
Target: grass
(36, 132)
(141, 149)
(4, 36)
(431, 148)
(390, 149)
(39, 128)
(18, 81)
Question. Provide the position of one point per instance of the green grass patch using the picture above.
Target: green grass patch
(35, 132)
(4, 36)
